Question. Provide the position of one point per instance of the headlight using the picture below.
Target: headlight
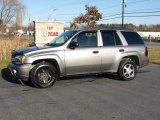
(20, 59)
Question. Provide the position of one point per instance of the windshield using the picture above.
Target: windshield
(61, 39)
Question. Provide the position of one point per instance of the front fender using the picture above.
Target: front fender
(40, 57)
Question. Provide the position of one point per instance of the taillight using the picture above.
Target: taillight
(146, 51)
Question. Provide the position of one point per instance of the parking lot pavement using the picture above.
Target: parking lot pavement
(92, 97)
(155, 46)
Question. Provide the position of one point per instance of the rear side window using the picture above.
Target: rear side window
(132, 38)
(110, 38)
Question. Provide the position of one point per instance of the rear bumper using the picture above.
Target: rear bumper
(145, 61)
(20, 71)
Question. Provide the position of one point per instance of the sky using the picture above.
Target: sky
(137, 11)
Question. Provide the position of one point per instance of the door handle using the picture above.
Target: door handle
(95, 52)
(121, 50)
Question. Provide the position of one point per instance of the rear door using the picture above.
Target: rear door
(112, 46)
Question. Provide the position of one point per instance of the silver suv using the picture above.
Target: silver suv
(81, 52)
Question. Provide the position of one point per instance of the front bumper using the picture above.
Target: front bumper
(20, 71)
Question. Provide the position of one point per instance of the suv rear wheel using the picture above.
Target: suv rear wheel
(44, 75)
(127, 70)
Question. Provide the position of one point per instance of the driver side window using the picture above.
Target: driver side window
(86, 39)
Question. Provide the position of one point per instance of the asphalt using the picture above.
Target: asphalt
(154, 44)
(91, 97)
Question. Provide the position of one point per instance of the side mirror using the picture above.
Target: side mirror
(73, 45)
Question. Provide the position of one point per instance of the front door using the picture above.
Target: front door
(85, 58)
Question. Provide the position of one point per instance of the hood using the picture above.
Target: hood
(31, 49)
(23, 51)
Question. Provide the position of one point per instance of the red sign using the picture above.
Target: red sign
(52, 33)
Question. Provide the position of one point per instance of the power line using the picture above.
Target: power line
(131, 16)
(138, 1)
(123, 8)
(144, 9)
(111, 18)
(144, 16)
(132, 13)
(113, 15)
(111, 6)
(84, 1)
(143, 12)
(116, 16)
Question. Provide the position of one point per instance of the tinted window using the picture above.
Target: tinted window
(132, 38)
(110, 38)
(86, 39)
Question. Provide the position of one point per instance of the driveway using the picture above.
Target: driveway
(91, 97)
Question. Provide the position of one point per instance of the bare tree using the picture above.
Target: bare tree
(89, 18)
(11, 10)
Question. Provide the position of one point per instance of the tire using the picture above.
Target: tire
(127, 70)
(44, 75)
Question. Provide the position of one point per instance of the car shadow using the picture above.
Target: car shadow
(7, 76)
(142, 71)
(90, 77)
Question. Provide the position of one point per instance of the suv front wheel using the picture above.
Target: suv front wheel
(127, 70)
(44, 75)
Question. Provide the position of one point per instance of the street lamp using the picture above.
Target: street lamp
(54, 10)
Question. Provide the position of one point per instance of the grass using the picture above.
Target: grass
(9, 43)
(3, 64)
(154, 55)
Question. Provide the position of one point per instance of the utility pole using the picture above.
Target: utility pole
(123, 7)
